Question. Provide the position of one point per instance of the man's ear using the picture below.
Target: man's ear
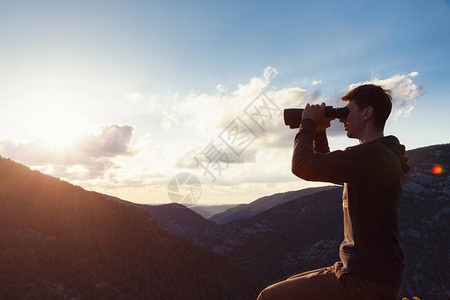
(368, 113)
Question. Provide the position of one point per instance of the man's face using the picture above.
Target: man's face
(353, 123)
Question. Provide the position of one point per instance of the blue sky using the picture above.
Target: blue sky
(119, 96)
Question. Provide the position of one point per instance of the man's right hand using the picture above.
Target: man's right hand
(317, 114)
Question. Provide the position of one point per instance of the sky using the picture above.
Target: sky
(182, 101)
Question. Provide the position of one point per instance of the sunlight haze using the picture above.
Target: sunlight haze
(120, 97)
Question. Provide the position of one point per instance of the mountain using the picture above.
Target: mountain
(178, 219)
(296, 236)
(244, 211)
(58, 241)
(424, 223)
(207, 211)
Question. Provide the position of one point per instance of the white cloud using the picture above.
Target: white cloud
(112, 141)
(89, 157)
(136, 103)
(168, 120)
(221, 89)
(214, 153)
(142, 143)
(403, 91)
(262, 113)
(316, 82)
(209, 113)
(269, 73)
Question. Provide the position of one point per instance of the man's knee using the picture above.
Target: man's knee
(261, 296)
(267, 293)
(275, 292)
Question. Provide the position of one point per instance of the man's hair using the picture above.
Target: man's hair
(375, 96)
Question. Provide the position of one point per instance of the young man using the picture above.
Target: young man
(371, 259)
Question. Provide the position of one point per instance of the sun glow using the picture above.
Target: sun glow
(57, 127)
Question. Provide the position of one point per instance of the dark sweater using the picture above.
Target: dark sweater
(372, 174)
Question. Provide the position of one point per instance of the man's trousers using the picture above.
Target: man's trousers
(324, 284)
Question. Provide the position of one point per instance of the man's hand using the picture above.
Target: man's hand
(317, 114)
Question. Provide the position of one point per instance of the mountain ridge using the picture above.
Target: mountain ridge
(244, 211)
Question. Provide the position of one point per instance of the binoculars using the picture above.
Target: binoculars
(293, 116)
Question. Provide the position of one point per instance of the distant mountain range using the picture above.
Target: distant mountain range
(57, 239)
(289, 233)
(207, 211)
(244, 211)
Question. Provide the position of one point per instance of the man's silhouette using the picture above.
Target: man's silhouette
(371, 260)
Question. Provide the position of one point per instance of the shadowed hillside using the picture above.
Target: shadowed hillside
(424, 224)
(58, 241)
(178, 219)
(296, 236)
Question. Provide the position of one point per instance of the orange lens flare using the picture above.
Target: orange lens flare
(437, 169)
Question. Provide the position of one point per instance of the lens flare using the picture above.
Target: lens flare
(437, 169)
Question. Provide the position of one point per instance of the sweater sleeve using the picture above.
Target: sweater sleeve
(321, 143)
(312, 160)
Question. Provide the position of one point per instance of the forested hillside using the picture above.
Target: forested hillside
(58, 241)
